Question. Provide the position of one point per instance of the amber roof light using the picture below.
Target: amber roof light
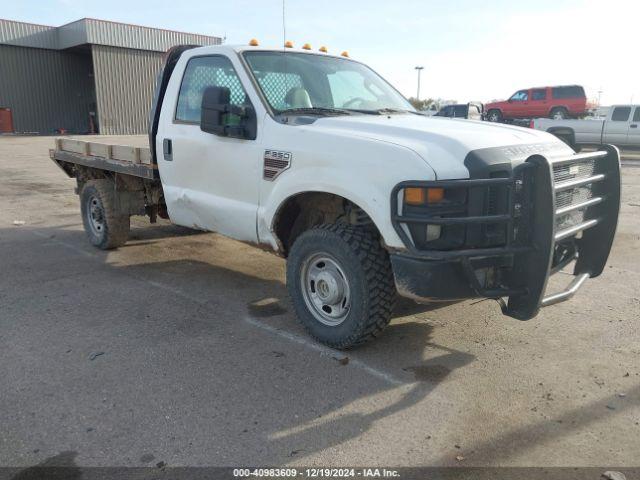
(288, 44)
(253, 42)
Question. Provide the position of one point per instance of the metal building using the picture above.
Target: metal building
(87, 76)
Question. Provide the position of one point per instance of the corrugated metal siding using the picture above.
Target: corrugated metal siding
(46, 89)
(125, 80)
(99, 32)
(72, 34)
(52, 88)
(124, 35)
(27, 34)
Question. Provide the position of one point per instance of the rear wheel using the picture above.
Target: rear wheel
(494, 116)
(341, 284)
(103, 226)
(559, 113)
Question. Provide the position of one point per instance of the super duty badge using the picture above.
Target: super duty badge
(275, 162)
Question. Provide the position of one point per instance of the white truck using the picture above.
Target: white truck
(621, 127)
(316, 158)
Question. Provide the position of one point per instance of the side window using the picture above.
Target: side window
(574, 91)
(521, 96)
(620, 114)
(203, 72)
(636, 115)
(539, 94)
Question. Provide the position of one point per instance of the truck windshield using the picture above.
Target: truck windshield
(293, 81)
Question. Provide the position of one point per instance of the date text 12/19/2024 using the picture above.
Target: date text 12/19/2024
(315, 473)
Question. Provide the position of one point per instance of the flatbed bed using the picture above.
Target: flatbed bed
(106, 153)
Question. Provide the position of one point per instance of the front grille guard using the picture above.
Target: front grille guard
(535, 247)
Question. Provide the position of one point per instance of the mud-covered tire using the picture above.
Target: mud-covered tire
(366, 266)
(104, 228)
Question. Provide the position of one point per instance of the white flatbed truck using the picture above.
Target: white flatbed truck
(318, 159)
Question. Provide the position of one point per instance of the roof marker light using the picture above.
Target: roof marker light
(323, 49)
(253, 42)
(345, 54)
(306, 46)
(288, 44)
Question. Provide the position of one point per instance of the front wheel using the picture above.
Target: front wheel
(341, 284)
(494, 116)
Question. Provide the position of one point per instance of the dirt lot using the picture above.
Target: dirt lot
(182, 348)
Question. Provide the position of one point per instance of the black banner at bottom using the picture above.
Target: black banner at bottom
(321, 473)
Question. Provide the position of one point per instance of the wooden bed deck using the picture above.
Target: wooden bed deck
(128, 155)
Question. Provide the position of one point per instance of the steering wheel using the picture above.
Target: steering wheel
(350, 102)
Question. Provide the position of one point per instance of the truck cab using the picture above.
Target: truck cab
(317, 158)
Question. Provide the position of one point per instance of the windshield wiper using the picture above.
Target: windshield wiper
(314, 111)
(380, 111)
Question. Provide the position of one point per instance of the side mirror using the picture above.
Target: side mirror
(219, 117)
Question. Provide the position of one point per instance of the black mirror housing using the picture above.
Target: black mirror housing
(215, 108)
(214, 101)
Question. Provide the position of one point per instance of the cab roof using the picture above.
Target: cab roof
(249, 48)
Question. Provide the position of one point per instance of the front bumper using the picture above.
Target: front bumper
(557, 210)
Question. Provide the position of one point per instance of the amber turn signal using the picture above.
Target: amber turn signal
(435, 195)
(420, 196)
(414, 196)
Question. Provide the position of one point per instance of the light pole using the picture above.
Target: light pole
(419, 69)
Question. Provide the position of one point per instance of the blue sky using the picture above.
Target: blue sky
(471, 50)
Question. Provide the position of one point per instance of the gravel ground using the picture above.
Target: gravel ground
(181, 347)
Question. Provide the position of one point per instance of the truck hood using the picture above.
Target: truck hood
(443, 143)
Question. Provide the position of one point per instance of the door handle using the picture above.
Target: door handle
(167, 149)
(633, 125)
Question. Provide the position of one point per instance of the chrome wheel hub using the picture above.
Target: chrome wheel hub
(95, 216)
(325, 289)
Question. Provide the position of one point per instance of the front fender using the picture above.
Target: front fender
(369, 188)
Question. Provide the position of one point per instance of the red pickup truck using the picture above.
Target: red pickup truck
(559, 102)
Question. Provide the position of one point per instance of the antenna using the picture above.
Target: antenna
(284, 48)
(284, 27)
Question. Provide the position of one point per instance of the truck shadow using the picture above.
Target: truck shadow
(57, 467)
(214, 297)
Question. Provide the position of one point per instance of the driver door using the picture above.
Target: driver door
(518, 104)
(538, 106)
(210, 182)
